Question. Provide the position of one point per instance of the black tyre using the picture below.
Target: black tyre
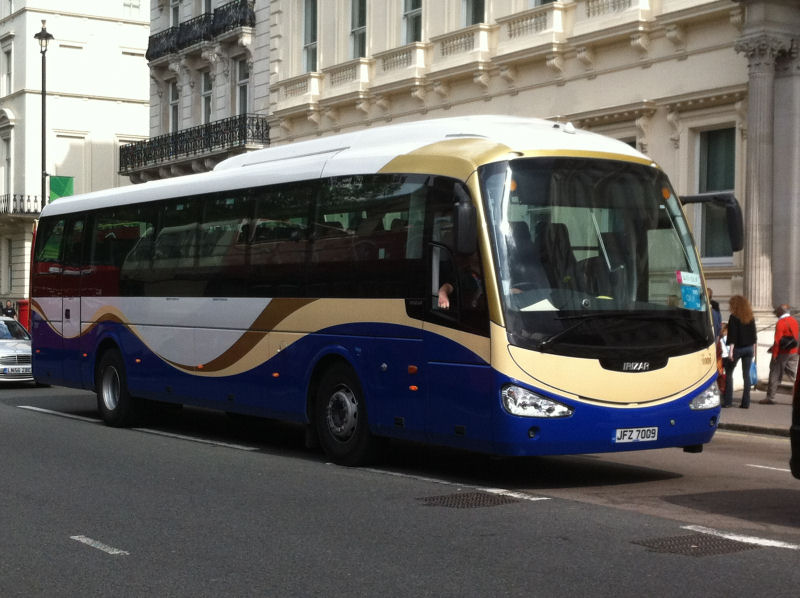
(116, 406)
(340, 417)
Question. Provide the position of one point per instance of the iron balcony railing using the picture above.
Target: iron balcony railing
(220, 135)
(20, 204)
(239, 13)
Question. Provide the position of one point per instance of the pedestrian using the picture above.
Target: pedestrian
(741, 345)
(722, 357)
(716, 315)
(9, 310)
(783, 351)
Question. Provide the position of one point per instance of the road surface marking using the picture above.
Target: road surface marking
(59, 413)
(498, 491)
(99, 545)
(770, 468)
(764, 542)
(238, 447)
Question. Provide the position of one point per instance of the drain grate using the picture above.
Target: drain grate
(695, 545)
(467, 500)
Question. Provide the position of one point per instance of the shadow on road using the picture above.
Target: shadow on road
(777, 506)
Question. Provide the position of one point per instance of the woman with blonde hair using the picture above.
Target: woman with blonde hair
(741, 345)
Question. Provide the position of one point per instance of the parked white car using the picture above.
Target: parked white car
(15, 352)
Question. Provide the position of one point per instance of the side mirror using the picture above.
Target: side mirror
(733, 213)
(466, 223)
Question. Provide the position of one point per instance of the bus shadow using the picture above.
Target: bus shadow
(529, 473)
(452, 465)
(775, 506)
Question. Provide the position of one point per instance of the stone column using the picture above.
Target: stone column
(786, 180)
(761, 51)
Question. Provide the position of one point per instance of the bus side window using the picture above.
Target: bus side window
(47, 271)
(458, 296)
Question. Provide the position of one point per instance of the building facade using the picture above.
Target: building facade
(710, 89)
(209, 86)
(88, 118)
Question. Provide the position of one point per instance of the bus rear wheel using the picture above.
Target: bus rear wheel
(341, 418)
(116, 406)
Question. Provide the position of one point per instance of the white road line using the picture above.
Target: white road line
(99, 545)
(60, 414)
(770, 468)
(499, 491)
(238, 447)
(764, 542)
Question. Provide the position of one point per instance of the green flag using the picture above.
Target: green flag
(61, 186)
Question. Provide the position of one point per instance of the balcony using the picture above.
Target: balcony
(194, 149)
(20, 204)
(401, 68)
(606, 20)
(467, 51)
(534, 32)
(225, 19)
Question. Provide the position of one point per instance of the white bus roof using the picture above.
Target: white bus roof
(449, 146)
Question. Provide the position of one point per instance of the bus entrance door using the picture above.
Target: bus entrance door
(71, 304)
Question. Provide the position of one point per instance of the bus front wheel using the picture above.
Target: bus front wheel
(116, 406)
(341, 418)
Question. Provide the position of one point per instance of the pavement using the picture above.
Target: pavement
(759, 419)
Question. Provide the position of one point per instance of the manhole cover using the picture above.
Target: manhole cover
(467, 500)
(695, 545)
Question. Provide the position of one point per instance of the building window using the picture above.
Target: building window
(474, 12)
(310, 36)
(10, 264)
(242, 83)
(206, 93)
(131, 8)
(535, 3)
(8, 66)
(174, 13)
(174, 99)
(412, 21)
(358, 28)
(207, 7)
(717, 172)
(7, 166)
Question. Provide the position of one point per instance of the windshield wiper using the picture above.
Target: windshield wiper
(621, 315)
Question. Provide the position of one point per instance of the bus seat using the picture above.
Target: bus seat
(555, 252)
(526, 267)
(601, 278)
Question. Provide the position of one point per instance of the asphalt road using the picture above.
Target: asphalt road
(200, 504)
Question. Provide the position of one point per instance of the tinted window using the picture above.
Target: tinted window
(367, 238)
(279, 240)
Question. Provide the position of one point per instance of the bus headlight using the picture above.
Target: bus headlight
(708, 399)
(519, 401)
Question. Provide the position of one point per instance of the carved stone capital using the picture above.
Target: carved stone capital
(763, 50)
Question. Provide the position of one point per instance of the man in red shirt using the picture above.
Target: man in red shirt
(784, 357)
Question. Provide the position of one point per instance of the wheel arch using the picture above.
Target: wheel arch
(322, 364)
(105, 345)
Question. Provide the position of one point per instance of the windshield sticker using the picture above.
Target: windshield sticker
(689, 278)
(691, 297)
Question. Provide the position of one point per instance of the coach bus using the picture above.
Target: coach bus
(505, 285)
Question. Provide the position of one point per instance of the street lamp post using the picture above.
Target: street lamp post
(44, 38)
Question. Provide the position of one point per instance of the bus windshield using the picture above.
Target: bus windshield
(594, 258)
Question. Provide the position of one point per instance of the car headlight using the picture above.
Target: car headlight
(519, 401)
(708, 399)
